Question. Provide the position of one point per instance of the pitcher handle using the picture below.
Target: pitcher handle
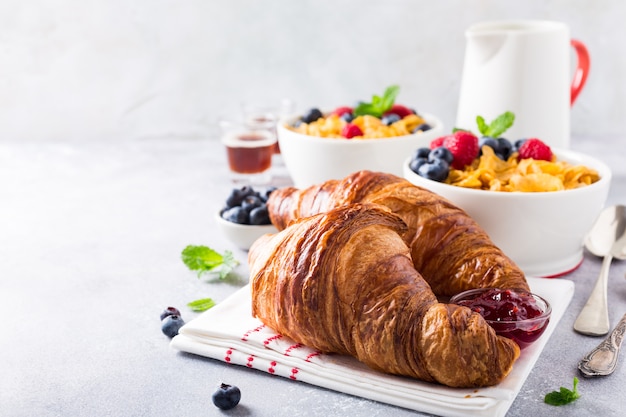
(582, 69)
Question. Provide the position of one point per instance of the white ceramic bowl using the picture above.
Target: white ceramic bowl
(543, 232)
(311, 160)
(242, 235)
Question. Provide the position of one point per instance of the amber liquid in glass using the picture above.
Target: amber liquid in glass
(249, 153)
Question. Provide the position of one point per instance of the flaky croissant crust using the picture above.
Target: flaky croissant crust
(449, 249)
(343, 281)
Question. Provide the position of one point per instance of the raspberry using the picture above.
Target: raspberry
(340, 111)
(400, 110)
(438, 142)
(535, 149)
(464, 148)
(351, 130)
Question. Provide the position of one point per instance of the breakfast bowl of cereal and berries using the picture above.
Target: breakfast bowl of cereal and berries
(535, 202)
(322, 145)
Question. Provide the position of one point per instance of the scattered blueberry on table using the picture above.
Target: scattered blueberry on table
(170, 311)
(226, 396)
(171, 321)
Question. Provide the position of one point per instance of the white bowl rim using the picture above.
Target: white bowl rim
(566, 154)
(432, 120)
(240, 226)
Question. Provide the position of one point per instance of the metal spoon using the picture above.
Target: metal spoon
(602, 360)
(607, 238)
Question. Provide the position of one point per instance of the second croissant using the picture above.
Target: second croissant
(449, 249)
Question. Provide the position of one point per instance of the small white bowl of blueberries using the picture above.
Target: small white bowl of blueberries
(244, 217)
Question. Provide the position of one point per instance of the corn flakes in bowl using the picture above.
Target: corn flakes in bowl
(319, 146)
(539, 220)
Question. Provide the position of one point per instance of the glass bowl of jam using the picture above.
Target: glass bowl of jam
(516, 314)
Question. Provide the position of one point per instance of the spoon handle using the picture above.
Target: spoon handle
(603, 359)
(593, 320)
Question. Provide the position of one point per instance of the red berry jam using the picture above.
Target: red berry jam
(517, 315)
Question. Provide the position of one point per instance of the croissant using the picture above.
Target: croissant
(449, 249)
(343, 282)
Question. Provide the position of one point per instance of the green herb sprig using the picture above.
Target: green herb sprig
(202, 304)
(497, 127)
(378, 105)
(205, 260)
(563, 395)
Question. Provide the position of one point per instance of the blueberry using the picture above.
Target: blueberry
(518, 144)
(423, 128)
(347, 117)
(488, 141)
(236, 215)
(268, 192)
(237, 195)
(226, 397)
(247, 190)
(170, 311)
(504, 148)
(234, 199)
(170, 325)
(312, 115)
(441, 153)
(390, 118)
(251, 202)
(259, 215)
(421, 153)
(416, 163)
(436, 170)
(501, 146)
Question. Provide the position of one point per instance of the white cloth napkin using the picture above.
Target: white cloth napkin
(229, 333)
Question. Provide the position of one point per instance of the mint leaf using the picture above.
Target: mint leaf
(501, 124)
(389, 97)
(205, 260)
(378, 105)
(365, 108)
(482, 125)
(497, 127)
(229, 264)
(201, 258)
(563, 395)
(202, 304)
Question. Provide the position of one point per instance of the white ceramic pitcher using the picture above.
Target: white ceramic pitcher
(522, 66)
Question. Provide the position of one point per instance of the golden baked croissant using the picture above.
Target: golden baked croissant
(449, 249)
(343, 282)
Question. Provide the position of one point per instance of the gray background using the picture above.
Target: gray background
(91, 230)
(133, 69)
